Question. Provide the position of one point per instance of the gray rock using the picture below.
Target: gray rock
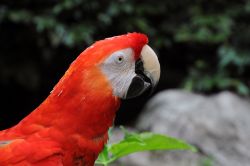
(218, 125)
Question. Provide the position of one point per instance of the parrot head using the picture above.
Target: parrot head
(130, 66)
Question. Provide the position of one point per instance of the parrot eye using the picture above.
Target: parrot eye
(119, 59)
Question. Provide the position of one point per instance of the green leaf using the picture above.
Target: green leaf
(134, 142)
(144, 142)
(103, 157)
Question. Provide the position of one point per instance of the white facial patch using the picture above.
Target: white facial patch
(119, 68)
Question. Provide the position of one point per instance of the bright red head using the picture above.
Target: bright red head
(103, 48)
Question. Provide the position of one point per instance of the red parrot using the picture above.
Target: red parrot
(70, 127)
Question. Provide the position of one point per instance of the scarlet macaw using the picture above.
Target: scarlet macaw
(70, 127)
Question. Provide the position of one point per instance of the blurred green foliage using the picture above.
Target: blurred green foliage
(207, 161)
(218, 25)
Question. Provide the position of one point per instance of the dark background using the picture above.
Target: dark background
(203, 46)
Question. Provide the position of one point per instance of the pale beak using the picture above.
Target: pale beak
(151, 64)
(147, 71)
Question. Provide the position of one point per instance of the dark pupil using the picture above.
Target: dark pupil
(120, 58)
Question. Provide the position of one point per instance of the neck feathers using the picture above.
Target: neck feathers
(81, 103)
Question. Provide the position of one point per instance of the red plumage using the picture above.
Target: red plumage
(70, 126)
